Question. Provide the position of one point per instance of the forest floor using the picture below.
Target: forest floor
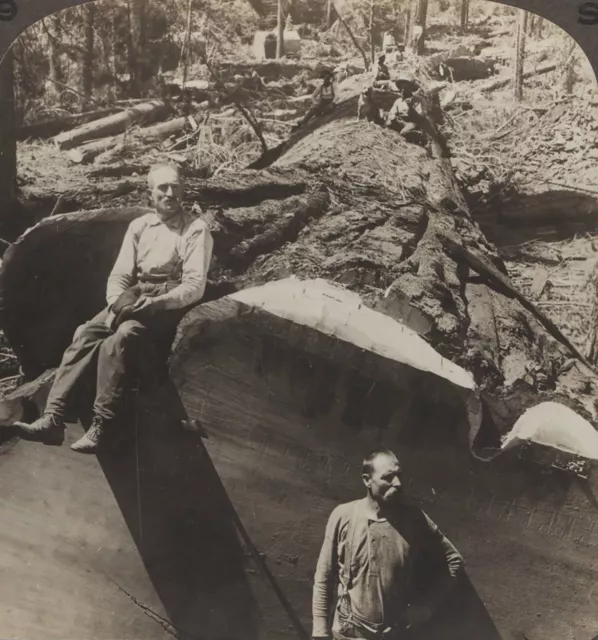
(501, 151)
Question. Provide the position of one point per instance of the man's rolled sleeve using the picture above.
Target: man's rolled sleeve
(325, 578)
(197, 254)
(123, 272)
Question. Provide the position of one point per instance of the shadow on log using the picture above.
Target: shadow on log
(139, 541)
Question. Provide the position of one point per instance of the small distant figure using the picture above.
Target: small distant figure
(324, 94)
(322, 98)
(380, 72)
(403, 116)
(367, 108)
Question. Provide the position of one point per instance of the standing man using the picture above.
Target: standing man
(160, 272)
(383, 560)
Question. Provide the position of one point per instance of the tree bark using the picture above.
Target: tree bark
(520, 54)
(111, 125)
(8, 145)
(89, 11)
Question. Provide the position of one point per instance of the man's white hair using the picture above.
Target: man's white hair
(161, 166)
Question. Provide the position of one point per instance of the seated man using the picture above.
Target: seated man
(160, 271)
(380, 72)
(322, 98)
(403, 118)
(367, 108)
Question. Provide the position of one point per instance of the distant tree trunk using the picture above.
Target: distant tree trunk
(408, 21)
(329, 14)
(417, 29)
(52, 29)
(520, 54)
(464, 15)
(186, 43)
(132, 52)
(139, 39)
(569, 71)
(89, 11)
(280, 31)
(536, 26)
(372, 35)
(8, 144)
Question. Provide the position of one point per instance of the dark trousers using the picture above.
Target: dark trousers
(116, 355)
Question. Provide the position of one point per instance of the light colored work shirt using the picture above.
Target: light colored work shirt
(384, 558)
(400, 110)
(178, 250)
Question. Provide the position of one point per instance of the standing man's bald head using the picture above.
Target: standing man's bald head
(381, 474)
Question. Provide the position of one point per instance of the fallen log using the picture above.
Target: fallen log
(53, 126)
(296, 380)
(111, 125)
(88, 152)
(499, 84)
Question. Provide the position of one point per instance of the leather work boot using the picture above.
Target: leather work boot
(48, 429)
(92, 440)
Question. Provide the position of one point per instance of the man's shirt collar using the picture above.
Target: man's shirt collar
(365, 510)
(173, 222)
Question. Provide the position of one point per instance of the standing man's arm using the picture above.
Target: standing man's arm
(123, 273)
(197, 254)
(325, 579)
(454, 560)
(435, 541)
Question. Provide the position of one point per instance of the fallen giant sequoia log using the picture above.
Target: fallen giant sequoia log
(87, 152)
(492, 426)
(111, 125)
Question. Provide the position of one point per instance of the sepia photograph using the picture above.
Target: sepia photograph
(298, 322)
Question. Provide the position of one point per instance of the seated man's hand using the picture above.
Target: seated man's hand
(146, 306)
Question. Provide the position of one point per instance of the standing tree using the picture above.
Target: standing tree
(536, 27)
(52, 28)
(371, 31)
(8, 144)
(520, 54)
(329, 13)
(464, 15)
(280, 30)
(89, 12)
(184, 61)
(417, 26)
